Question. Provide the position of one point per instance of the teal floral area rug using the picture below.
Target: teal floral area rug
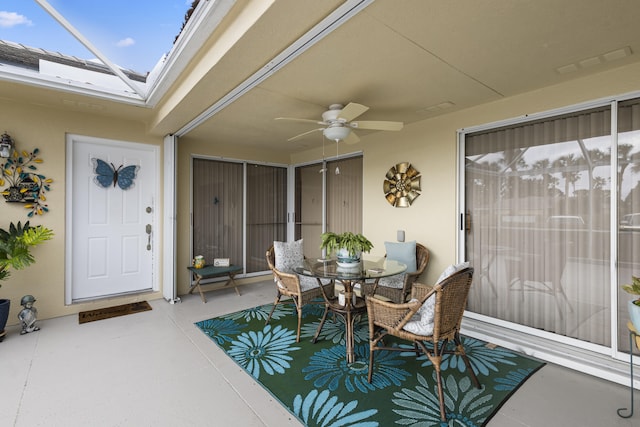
(314, 382)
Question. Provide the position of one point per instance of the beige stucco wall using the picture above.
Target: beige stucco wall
(33, 126)
(429, 145)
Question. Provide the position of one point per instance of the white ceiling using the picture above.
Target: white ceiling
(408, 60)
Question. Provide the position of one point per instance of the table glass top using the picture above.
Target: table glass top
(367, 268)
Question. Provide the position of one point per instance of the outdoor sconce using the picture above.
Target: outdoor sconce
(6, 145)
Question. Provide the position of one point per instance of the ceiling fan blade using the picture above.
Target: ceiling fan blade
(351, 111)
(377, 125)
(293, 119)
(293, 138)
(352, 138)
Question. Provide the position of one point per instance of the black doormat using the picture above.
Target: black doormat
(108, 312)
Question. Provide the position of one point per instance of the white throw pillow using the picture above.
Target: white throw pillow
(452, 269)
(422, 322)
(288, 255)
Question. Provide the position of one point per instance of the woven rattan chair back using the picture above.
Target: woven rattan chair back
(288, 285)
(387, 318)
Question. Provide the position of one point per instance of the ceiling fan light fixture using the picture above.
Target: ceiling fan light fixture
(336, 133)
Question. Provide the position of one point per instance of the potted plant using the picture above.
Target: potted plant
(15, 253)
(348, 246)
(633, 305)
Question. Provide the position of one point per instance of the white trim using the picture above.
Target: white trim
(169, 250)
(599, 365)
(291, 203)
(201, 24)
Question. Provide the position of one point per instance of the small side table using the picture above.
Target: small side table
(208, 272)
(634, 338)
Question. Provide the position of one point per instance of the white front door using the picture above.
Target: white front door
(111, 217)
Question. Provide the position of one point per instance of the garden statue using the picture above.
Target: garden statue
(28, 315)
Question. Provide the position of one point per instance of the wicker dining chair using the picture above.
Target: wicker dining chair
(447, 305)
(301, 289)
(398, 287)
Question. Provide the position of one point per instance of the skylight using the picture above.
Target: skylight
(131, 37)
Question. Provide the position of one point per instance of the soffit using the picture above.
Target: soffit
(406, 60)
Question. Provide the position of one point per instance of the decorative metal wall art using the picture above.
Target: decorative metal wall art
(107, 174)
(25, 185)
(401, 185)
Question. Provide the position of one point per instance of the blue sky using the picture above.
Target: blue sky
(133, 34)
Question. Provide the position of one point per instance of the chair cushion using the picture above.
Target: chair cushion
(404, 252)
(422, 322)
(452, 269)
(288, 255)
(396, 281)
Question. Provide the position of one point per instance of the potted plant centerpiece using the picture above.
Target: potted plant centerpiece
(348, 246)
(15, 253)
(633, 305)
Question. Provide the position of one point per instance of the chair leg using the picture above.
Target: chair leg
(370, 375)
(278, 296)
(443, 414)
(463, 354)
(324, 317)
(299, 310)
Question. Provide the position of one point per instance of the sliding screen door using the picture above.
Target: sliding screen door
(239, 209)
(341, 202)
(266, 212)
(217, 210)
(538, 202)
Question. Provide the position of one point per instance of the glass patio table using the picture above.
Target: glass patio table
(351, 306)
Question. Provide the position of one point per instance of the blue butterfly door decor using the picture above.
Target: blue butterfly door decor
(107, 174)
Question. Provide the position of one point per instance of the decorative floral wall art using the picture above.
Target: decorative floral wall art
(24, 183)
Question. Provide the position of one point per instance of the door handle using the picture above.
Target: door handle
(148, 230)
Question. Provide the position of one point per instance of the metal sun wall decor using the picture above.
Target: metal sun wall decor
(25, 185)
(401, 185)
(107, 174)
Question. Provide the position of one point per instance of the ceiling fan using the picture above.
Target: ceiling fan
(338, 123)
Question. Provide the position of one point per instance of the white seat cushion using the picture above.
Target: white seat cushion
(396, 281)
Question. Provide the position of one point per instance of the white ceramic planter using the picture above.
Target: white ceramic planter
(634, 314)
(345, 260)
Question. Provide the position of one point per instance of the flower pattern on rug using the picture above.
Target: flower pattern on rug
(335, 331)
(328, 368)
(420, 407)
(260, 313)
(313, 381)
(264, 351)
(483, 359)
(512, 380)
(221, 330)
(323, 409)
